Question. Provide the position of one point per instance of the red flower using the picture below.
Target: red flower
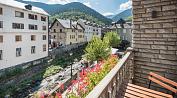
(58, 95)
(62, 86)
(74, 82)
(69, 89)
(42, 95)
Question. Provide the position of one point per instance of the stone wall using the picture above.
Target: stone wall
(67, 48)
(155, 39)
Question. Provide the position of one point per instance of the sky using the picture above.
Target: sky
(105, 7)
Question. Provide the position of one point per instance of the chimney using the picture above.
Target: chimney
(29, 7)
(70, 23)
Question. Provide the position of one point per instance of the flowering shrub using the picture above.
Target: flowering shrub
(90, 77)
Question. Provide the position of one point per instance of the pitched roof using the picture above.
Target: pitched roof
(120, 21)
(20, 5)
(65, 23)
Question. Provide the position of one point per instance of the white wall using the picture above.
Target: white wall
(88, 32)
(9, 44)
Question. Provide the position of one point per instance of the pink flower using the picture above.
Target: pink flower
(62, 86)
(42, 95)
(74, 82)
(58, 95)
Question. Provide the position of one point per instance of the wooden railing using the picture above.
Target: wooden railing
(111, 84)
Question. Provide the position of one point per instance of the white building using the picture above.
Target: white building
(23, 33)
(90, 29)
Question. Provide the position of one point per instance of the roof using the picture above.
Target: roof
(126, 25)
(20, 5)
(121, 21)
(68, 24)
(65, 23)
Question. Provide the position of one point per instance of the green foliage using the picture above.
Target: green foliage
(72, 95)
(51, 70)
(75, 15)
(113, 38)
(10, 73)
(97, 49)
(129, 18)
(92, 78)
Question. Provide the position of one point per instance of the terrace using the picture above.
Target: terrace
(149, 69)
(118, 83)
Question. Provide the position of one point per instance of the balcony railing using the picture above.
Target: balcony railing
(111, 84)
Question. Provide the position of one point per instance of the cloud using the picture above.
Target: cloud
(33, 0)
(60, 1)
(96, 3)
(108, 13)
(126, 5)
(87, 4)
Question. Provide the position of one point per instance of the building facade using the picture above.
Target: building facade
(90, 29)
(23, 33)
(124, 30)
(65, 32)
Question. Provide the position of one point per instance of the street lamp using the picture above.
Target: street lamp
(71, 65)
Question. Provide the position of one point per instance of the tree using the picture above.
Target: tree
(113, 39)
(129, 18)
(97, 49)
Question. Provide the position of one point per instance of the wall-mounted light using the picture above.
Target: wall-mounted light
(154, 14)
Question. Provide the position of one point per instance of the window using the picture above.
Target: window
(60, 30)
(18, 52)
(33, 37)
(44, 47)
(44, 37)
(31, 16)
(57, 24)
(17, 26)
(1, 24)
(19, 14)
(72, 36)
(79, 36)
(43, 18)
(80, 30)
(54, 30)
(1, 11)
(1, 38)
(18, 38)
(44, 28)
(1, 55)
(33, 27)
(54, 36)
(33, 49)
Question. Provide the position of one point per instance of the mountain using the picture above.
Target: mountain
(126, 15)
(110, 16)
(74, 10)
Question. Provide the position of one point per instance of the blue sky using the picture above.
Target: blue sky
(105, 7)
